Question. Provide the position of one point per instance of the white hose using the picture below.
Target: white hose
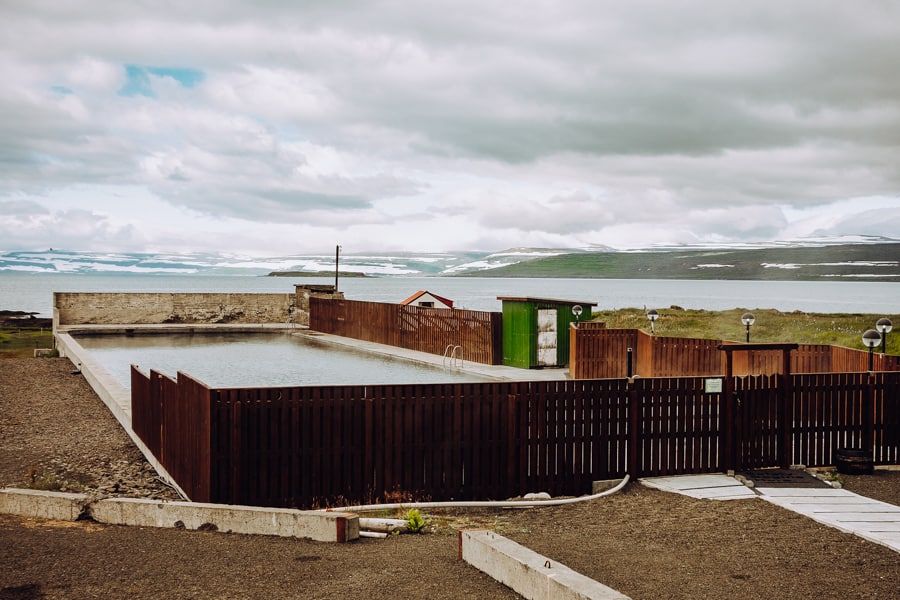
(481, 503)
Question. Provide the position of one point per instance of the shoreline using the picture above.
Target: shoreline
(34, 293)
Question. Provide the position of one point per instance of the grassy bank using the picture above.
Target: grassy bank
(17, 342)
(770, 326)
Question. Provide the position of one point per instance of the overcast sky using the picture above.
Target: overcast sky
(266, 128)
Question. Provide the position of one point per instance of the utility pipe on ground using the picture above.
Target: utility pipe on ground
(482, 503)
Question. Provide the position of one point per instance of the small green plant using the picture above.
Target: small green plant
(833, 476)
(415, 522)
(47, 482)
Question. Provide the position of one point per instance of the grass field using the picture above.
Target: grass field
(770, 326)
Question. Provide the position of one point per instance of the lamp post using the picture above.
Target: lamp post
(576, 310)
(884, 327)
(653, 316)
(748, 319)
(871, 338)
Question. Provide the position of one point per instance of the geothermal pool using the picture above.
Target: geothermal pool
(257, 360)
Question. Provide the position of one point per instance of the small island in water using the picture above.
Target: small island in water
(314, 274)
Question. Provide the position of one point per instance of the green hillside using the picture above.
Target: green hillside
(850, 262)
(840, 329)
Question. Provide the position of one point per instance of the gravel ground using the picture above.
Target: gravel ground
(55, 433)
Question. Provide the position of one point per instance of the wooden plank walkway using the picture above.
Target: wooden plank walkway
(872, 520)
(712, 486)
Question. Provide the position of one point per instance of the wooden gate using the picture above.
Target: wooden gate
(757, 412)
(758, 422)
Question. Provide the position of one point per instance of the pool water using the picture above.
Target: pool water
(223, 360)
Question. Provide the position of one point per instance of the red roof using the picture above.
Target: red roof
(421, 293)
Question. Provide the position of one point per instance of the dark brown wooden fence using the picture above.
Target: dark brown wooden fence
(317, 446)
(596, 352)
(431, 330)
(173, 419)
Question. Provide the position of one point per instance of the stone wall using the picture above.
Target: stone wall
(148, 308)
(305, 292)
(87, 308)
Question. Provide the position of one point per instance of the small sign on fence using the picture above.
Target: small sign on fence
(713, 386)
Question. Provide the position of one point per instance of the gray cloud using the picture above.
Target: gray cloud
(559, 123)
(21, 209)
(30, 225)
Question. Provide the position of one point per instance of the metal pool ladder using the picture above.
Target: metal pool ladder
(453, 356)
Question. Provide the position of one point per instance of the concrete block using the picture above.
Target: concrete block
(604, 485)
(61, 506)
(526, 572)
(321, 526)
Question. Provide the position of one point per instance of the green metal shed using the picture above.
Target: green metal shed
(536, 330)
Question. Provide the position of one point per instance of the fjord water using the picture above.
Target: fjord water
(34, 292)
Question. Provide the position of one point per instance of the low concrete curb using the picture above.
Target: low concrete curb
(526, 572)
(285, 522)
(321, 526)
(60, 506)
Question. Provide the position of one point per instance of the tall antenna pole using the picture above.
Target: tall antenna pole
(337, 254)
